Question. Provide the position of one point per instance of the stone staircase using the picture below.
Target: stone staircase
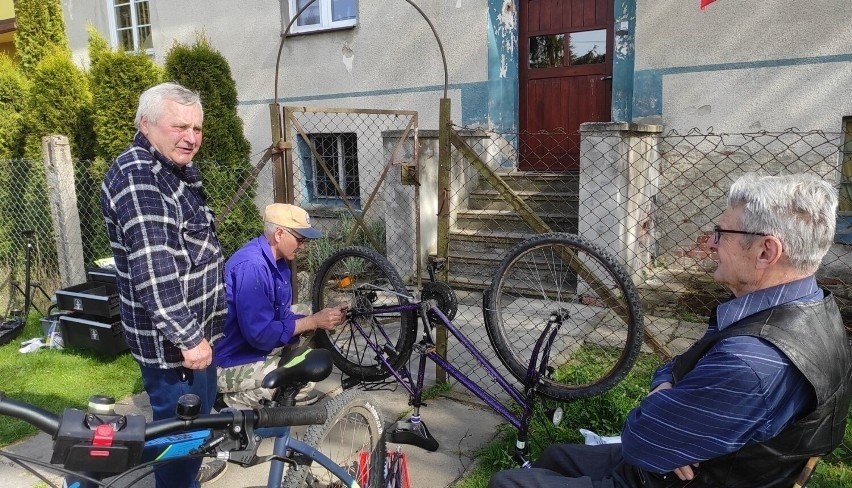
(488, 227)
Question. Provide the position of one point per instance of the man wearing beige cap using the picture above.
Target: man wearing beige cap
(260, 322)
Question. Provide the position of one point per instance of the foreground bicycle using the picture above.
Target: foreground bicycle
(562, 315)
(344, 442)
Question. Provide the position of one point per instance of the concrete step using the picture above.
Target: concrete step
(486, 243)
(542, 182)
(508, 220)
(546, 202)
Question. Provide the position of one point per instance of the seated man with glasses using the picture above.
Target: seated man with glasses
(260, 322)
(767, 386)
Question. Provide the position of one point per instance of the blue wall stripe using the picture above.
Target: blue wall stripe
(474, 97)
(648, 84)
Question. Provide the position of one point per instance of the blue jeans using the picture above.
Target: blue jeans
(164, 387)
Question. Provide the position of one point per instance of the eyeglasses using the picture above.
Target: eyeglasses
(299, 239)
(718, 231)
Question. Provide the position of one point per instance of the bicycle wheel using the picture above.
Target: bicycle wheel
(363, 280)
(602, 323)
(355, 425)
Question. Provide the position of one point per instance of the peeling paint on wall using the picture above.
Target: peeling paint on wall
(348, 57)
(506, 31)
(501, 93)
(623, 60)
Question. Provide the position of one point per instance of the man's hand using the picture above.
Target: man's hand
(199, 357)
(328, 318)
(685, 472)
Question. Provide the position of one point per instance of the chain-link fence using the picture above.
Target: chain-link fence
(25, 222)
(650, 199)
(354, 171)
(370, 177)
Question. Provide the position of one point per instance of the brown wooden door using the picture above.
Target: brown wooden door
(565, 76)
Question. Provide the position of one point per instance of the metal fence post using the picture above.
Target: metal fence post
(59, 172)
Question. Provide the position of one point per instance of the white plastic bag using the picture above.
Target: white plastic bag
(593, 439)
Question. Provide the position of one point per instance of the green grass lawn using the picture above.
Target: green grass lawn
(56, 379)
(605, 414)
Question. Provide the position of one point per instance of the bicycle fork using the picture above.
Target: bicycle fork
(535, 372)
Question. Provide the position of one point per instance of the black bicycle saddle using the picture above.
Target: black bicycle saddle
(299, 365)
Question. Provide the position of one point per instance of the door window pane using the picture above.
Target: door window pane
(547, 51)
(588, 47)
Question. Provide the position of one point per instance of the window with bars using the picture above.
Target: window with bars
(131, 25)
(323, 15)
(339, 153)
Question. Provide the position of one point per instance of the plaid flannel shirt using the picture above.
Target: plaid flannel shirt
(168, 260)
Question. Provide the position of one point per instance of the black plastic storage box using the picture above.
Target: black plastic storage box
(92, 297)
(81, 331)
(100, 275)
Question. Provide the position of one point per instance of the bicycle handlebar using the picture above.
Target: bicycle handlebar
(112, 443)
(271, 417)
(39, 418)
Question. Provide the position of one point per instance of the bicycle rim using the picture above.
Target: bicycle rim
(601, 331)
(364, 280)
(352, 437)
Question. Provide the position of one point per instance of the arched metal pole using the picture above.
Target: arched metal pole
(410, 2)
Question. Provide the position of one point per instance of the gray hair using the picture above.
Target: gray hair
(800, 210)
(151, 101)
(269, 228)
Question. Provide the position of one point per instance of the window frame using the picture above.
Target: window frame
(312, 170)
(326, 24)
(134, 28)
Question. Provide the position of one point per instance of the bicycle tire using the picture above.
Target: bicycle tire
(599, 340)
(348, 277)
(355, 424)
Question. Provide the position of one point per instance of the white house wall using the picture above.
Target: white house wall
(390, 60)
(742, 66)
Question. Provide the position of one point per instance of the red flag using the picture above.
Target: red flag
(705, 3)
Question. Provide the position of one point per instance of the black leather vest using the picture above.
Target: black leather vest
(812, 335)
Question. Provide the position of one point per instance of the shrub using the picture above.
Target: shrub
(117, 80)
(13, 100)
(40, 32)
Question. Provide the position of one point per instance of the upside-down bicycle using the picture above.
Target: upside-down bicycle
(561, 313)
(343, 443)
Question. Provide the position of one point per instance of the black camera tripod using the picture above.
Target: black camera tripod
(16, 318)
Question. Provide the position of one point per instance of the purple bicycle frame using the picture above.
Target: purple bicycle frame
(417, 388)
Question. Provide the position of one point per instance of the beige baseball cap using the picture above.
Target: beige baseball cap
(291, 217)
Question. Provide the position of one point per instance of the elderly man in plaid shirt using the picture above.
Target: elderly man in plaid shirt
(168, 259)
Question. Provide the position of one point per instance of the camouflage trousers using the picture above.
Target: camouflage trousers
(240, 385)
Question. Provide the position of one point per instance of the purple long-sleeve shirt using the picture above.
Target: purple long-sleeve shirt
(259, 294)
(744, 390)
